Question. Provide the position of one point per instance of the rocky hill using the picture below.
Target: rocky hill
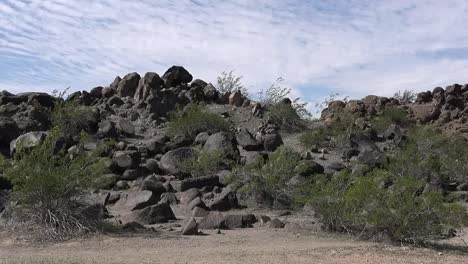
(147, 182)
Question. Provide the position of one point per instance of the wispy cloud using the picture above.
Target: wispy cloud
(354, 47)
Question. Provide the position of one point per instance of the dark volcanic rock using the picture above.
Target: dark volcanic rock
(225, 201)
(239, 220)
(128, 85)
(214, 220)
(135, 200)
(149, 83)
(160, 213)
(190, 228)
(272, 141)
(176, 75)
(199, 182)
(223, 143)
(247, 141)
(172, 161)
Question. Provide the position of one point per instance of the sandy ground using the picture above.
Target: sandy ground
(258, 245)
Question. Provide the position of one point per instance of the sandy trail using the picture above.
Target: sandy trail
(234, 246)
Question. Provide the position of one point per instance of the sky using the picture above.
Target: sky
(351, 47)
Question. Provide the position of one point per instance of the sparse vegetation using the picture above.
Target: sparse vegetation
(48, 182)
(206, 163)
(430, 155)
(314, 137)
(229, 82)
(406, 96)
(71, 118)
(285, 113)
(391, 202)
(388, 117)
(362, 205)
(267, 180)
(47, 186)
(195, 119)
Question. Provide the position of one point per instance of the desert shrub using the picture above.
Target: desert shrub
(195, 119)
(321, 105)
(406, 96)
(388, 117)
(363, 205)
(335, 134)
(229, 82)
(430, 155)
(314, 137)
(70, 117)
(46, 187)
(267, 180)
(284, 114)
(206, 163)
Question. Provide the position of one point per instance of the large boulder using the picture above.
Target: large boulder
(28, 140)
(247, 141)
(425, 112)
(211, 94)
(126, 127)
(236, 99)
(123, 160)
(272, 141)
(115, 84)
(214, 220)
(135, 200)
(128, 85)
(198, 183)
(190, 228)
(172, 161)
(176, 75)
(107, 129)
(151, 81)
(308, 167)
(225, 201)
(222, 143)
(159, 213)
(239, 220)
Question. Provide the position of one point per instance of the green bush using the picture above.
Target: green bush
(206, 163)
(335, 134)
(71, 118)
(228, 82)
(267, 180)
(46, 186)
(285, 116)
(195, 119)
(314, 137)
(430, 155)
(288, 116)
(362, 205)
(388, 117)
(407, 96)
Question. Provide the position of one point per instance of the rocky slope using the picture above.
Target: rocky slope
(147, 185)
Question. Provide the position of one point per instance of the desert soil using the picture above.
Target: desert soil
(258, 245)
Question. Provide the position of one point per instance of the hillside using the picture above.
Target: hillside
(182, 157)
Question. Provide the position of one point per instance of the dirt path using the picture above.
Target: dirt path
(235, 246)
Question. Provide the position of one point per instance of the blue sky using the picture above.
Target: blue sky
(319, 47)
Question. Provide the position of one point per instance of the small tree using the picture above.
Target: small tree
(406, 96)
(267, 181)
(48, 181)
(282, 113)
(195, 119)
(228, 82)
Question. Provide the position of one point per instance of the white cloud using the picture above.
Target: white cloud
(355, 47)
